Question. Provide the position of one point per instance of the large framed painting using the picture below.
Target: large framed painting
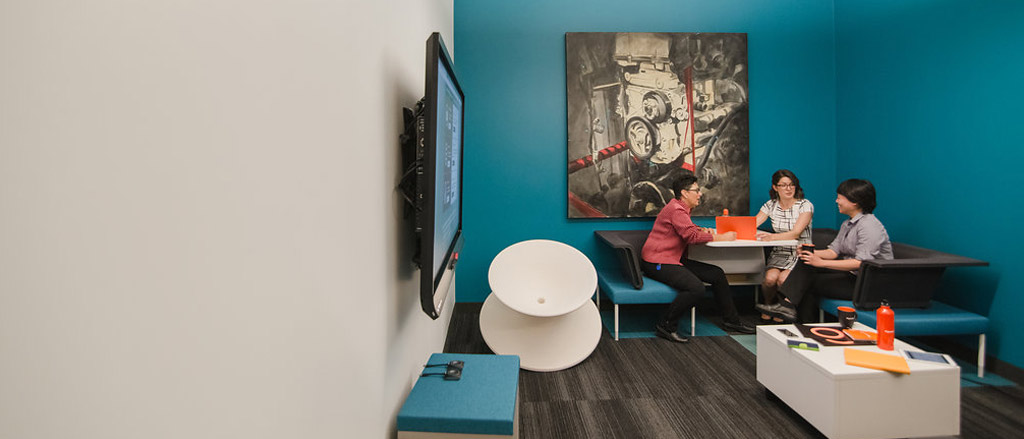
(645, 107)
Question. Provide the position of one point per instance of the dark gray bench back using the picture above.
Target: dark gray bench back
(628, 245)
(908, 281)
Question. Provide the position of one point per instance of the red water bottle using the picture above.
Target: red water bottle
(886, 326)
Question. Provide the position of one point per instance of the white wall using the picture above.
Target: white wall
(199, 235)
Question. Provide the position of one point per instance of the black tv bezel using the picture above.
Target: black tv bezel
(432, 292)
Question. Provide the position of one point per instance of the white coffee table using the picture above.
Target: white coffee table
(844, 401)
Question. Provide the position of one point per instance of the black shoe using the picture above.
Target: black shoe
(739, 327)
(779, 310)
(670, 335)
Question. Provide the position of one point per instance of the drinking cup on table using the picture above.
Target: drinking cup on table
(847, 316)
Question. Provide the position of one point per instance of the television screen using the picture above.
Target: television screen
(447, 166)
(439, 185)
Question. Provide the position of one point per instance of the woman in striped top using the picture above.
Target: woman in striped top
(791, 217)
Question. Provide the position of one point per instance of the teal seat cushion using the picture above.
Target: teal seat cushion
(938, 319)
(620, 290)
(482, 402)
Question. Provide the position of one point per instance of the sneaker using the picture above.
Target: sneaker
(786, 313)
(739, 327)
(670, 335)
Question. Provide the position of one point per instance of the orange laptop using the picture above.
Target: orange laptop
(744, 226)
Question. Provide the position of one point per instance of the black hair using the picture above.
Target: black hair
(859, 191)
(799, 194)
(682, 183)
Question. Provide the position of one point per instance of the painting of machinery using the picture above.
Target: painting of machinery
(645, 107)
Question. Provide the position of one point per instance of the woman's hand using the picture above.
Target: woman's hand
(765, 236)
(812, 258)
(727, 236)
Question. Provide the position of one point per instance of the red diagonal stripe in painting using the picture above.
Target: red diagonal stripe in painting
(585, 161)
(689, 123)
(585, 208)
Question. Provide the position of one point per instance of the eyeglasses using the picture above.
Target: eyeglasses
(692, 190)
(785, 186)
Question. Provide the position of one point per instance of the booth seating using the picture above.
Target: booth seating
(627, 284)
(908, 283)
(483, 403)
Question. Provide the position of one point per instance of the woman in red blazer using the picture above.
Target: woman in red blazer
(664, 260)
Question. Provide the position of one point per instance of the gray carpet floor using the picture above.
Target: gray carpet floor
(651, 388)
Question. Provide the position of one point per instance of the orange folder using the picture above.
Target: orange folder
(875, 360)
(744, 226)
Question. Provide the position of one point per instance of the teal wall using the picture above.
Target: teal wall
(928, 107)
(511, 60)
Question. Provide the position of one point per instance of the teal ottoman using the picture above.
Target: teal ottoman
(482, 404)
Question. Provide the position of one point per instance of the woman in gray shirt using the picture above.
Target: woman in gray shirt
(832, 272)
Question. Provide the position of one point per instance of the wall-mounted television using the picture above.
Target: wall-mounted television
(432, 183)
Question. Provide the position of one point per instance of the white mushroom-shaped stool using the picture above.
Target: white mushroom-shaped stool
(540, 307)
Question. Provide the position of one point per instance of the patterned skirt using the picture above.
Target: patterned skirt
(783, 258)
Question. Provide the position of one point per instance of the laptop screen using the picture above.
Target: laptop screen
(744, 226)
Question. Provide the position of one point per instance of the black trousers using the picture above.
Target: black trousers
(807, 284)
(688, 281)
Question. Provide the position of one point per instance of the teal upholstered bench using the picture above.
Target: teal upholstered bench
(636, 288)
(937, 319)
(618, 290)
(482, 404)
